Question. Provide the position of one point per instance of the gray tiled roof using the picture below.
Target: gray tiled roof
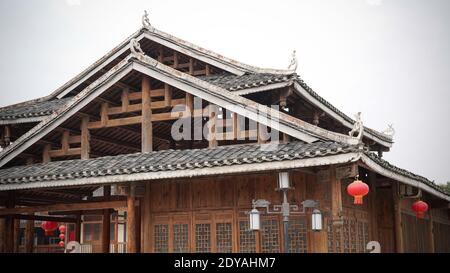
(386, 165)
(234, 83)
(167, 160)
(31, 109)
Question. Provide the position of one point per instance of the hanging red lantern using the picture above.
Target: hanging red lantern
(420, 208)
(358, 190)
(62, 228)
(49, 227)
(62, 236)
(61, 244)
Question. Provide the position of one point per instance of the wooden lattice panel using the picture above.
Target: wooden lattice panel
(224, 242)
(203, 237)
(270, 236)
(161, 238)
(247, 238)
(180, 238)
(297, 235)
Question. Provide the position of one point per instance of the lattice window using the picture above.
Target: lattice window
(161, 238)
(353, 236)
(346, 236)
(334, 237)
(203, 238)
(180, 238)
(297, 235)
(223, 238)
(247, 239)
(270, 236)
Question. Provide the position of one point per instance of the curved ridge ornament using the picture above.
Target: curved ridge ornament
(358, 128)
(390, 131)
(145, 21)
(135, 48)
(294, 62)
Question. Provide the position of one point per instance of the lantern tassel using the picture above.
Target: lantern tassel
(358, 200)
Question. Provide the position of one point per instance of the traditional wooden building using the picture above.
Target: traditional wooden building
(162, 146)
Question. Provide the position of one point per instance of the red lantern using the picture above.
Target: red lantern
(62, 228)
(49, 227)
(61, 244)
(358, 189)
(62, 236)
(420, 208)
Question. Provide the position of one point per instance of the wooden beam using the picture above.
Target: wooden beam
(191, 66)
(104, 113)
(138, 95)
(175, 60)
(397, 218)
(189, 104)
(61, 153)
(106, 224)
(207, 70)
(87, 205)
(78, 227)
(131, 220)
(33, 217)
(138, 106)
(85, 136)
(147, 128)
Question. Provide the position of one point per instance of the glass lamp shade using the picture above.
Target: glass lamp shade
(316, 221)
(255, 223)
(283, 180)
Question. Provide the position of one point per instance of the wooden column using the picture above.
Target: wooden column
(78, 228)
(106, 225)
(336, 196)
(373, 207)
(318, 241)
(431, 231)
(146, 221)
(131, 220)
(147, 128)
(16, 241)
(258, 241)
(46, 153)
(212, 126)
(138, 226)
(29, 236)
(397, 218)
(85, 136)
(9, 225)
(2, 235)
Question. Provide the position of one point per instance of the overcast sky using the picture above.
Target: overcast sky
(389, 59)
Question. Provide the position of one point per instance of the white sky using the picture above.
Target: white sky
(387, 58)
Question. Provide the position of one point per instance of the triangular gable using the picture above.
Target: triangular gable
(219, 96)
(171, 42)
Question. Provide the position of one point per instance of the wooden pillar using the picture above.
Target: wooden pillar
(146, 221)
(7, 135)
(397, 218)
(16, 232)
(212, 126)
(431, 231)
(131, 220)
(46, 153)
(85, 136)
(138, 226)
(168, 95)
(336, 197)
(106, 225)
(318, 241)
(373, 206)
(2, 235)
(78, 228)
(9, 225)
(29, 236)
(147, 128)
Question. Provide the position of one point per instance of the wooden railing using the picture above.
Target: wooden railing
(85, 248)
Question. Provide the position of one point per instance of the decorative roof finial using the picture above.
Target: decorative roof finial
(390, 131)
(293, 64)
(136, 49)
(358, 127)
(146, 21)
